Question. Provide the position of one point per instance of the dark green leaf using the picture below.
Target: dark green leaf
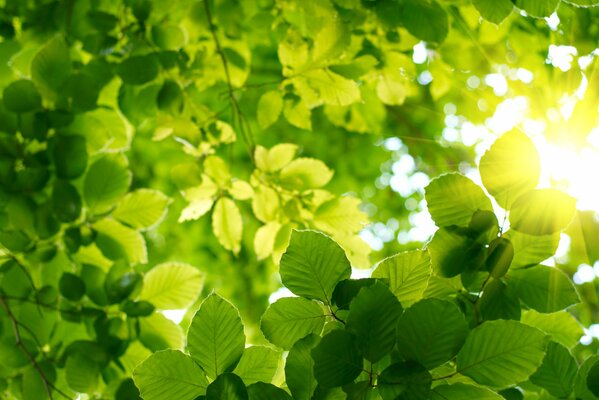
(227, 386)
(337, 359)
(545, 289)
(406, 381)
(137, 70)
(70, 156)
(21, 96)
(299, 368)
(557, 372)
(71, 286)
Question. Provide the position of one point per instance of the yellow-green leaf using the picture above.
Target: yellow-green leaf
(227, 224)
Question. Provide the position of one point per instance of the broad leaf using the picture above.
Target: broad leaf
(290, 319)
(270, 107)
(494, 10)
(337, 359)
(560, 326)
(82, 373)
(51, 65)
(305, 173)
(431, 332)
(341, 214)
(542, 212)
(499, 353)
(545, 289)
(215, 338)
(427, 20)
(299, 368)
(266, 391)
(106, 181)
(257, 364)
(557, 372)
(227, 224)
(499, 301)
(172, 285)
(70, 156)
(313, 265)
(405, 380)
(21, 96)
(530, 249)
(227, 386)
(452, 252)
(159, 333)
(582, 386)
(462, 391)
(452, 199)
(170, 374)
(537, 8)
(117, 241)
(142, 209)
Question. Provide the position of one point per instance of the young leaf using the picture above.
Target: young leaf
(313, 265)
(545, 289)
(542, 212)
(170, 374)
(407, 273)
(305, 173)
(291, 318)
(341, 214)
(337, 359)
(557, 372)
(142, 209)
(452, 199)
(499, 353)
(264, 240)
(227, 224)
(257, 364)
(431, 332)
(172, 285)
(299, 368)
(510, 168)
(373, 316)
(215, 338)
(270, 107)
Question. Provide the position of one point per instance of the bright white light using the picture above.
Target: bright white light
(498, 83)
(552, 21)
(561, 56)
(174, 315)
(279, 294)
(585, 274)
(425, 78)
(420, 54)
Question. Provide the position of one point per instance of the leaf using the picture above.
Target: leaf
(265, 204)
(426, 20)
(545, 289)
(159, 333)
(494, 10)
(21, 96)
(81, 373)
(499, 301)
(264, 240)
(275, 158)
(227, 386)
(341, 214)
(582, 388)
(431, 332)
(452, 253)
(583, 3)
(266, 391)
(142, 209)
(168, 37)
(298, 114)
(313, 265)
(531, 249)
(241, 190)
(137, 70)
(510, 168)
(257, 364)
(561, 326)
(195, 210)
(537, 8)
(169, 374)
(333, 89)
(592, 379)
(227, 224)
(405, 380)
(348, 289)
(337, 359)
(407, 273)
(305, 173)
(51, 65)
(299, 368)
(499, 353)
(270, 107)
(66, 201)
(542, 212)
(557, 372)
(372, 318)
(291, 318)
(462, 391)
(106, 181)
(117, 241)
(70, 156)
(452, 199)
(172, 285)
(215, 338)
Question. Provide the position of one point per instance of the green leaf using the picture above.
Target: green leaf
(159, 333)
(266, 391)
(348, 289)
(510, 168)
(500, 256)
(593, 379)
(215, 338)
(71, 286)
(227, 386)
(431, 332)
(545, 289)
(501, 353)
(499, 301)
(137, 70)
(70, 156)
(168, 37)
(452, 199)
(81, 373)
(452, 252)
(51, 65)
(299, 368)
(264, 240)
(494, 10)
(142, 209)
(462, 391)
(560, 326)
(313, 265)
(172, 285)
(582, 389)
(305, 173)
(170, 374)
(275, 158)
(557, 372)
(407, 273)
(405, 380)
(337, 359)
(531, 250)
(426, 20)
(227, 224)
(66, 201)
(34, 388)
(257, 364)
(537, 8)
(291, 318)
(117, 241)
(542, 212)
(106, 181)
(372, 318)
(270, 107)
(21, 96)
(340, 215)
(333, 89)
(583, 3)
